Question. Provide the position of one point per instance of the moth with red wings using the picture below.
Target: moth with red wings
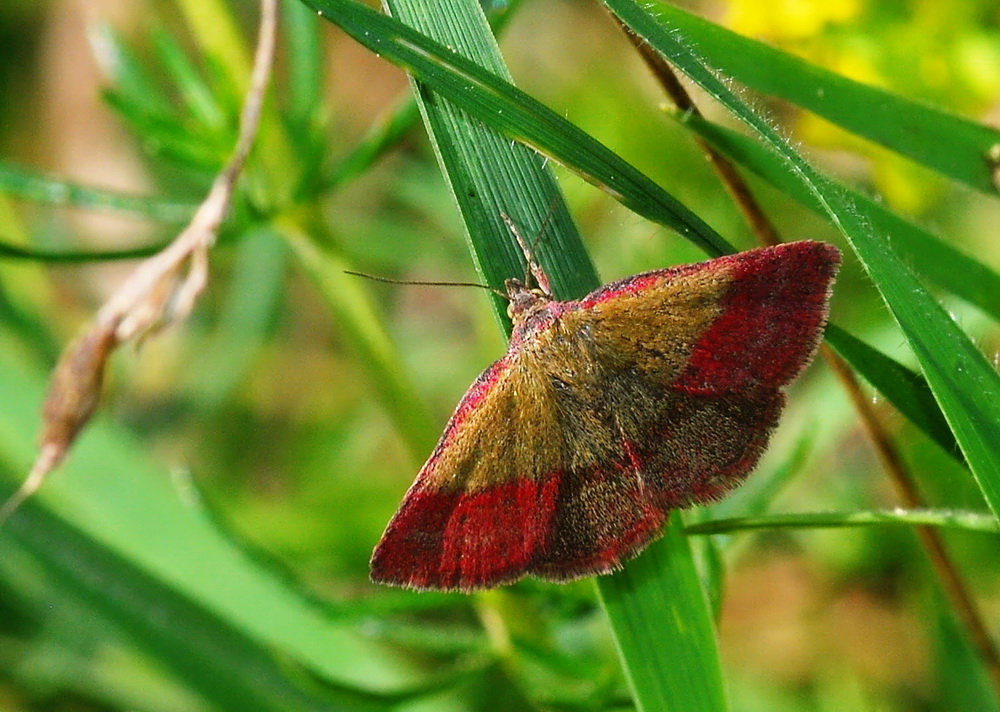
(652, 393)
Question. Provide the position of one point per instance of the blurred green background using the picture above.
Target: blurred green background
(256, 419)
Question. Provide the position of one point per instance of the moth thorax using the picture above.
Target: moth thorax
(523, 301)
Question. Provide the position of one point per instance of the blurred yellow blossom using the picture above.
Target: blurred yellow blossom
(786, 19)
(924, 49)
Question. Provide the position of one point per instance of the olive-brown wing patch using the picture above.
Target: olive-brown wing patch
(481, 506)
(737, 322)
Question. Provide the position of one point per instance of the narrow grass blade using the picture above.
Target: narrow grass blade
(489, 175)
(13, 252)
(306, 78)
(663, 584)
(112, 493)
(930, 256)
(210, 656)
(945, 519)
(494, 101)
(193, 89)
(955, 146)
(905, 389)
(31, 185)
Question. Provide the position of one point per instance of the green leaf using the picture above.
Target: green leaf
(131, 521)
(946, 519)
(212, 657)
(30, 185)
(489, 176)
(503, 107)
(955, 146)
(218, 37)
(164, 136)
(307, 127)
(663, 584)
(140, 100)
(124, 70)
(13, 252)
(304, 51)
(905, 389)
(931, 257)
(197, 95)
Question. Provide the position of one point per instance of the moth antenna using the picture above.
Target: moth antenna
(549, 212)
(389, 280)
(534, 245)
(532, 267)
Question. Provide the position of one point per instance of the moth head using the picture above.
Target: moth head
(523, 301)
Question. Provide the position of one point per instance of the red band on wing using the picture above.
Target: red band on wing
(774, 313)
(495, 533)
(465, 541)
(565, 525)
(409, 553)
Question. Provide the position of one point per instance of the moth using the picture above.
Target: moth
(655, 392)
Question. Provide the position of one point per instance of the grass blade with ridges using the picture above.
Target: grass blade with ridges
(31, 185)
(951, 144)
(929, 255)
(466, 149)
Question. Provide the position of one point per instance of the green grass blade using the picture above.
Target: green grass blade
(500, 105)
(191, 86)
(306, 122)
(13, 252)
(218, 37)
(113, 495)
(269, 176)
(660, 585)
(905, 389)
(211, 657)
(928, 254)
(963, 382)
(490, 175)
(166, 138)
(30, 185)
(954, 146)
(122, 68)
(304, 51)
(139, 99)
(945, 519)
